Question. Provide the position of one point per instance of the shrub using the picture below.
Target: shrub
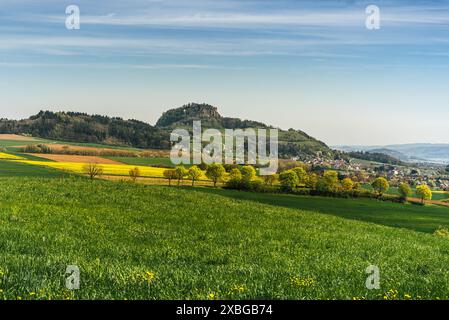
(288, 179)
(380, 185)
(170, 174)
(248, 173)
(424, 193)
(215, 172)
(134, 174)
(194, 173)
(405, 191)
(235, 174)
(269, 180)
(93, 170)
(328, 183)
(180, 173)
(302, 176)
(347, 184)
(441, 232)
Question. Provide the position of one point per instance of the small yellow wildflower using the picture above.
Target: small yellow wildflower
(391, 294)
(407, 297)
(238, 288)
(211, 296)
(150, 276)
(302, 282)
(358, 298)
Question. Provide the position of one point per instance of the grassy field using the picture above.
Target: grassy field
(14, 169)
(108, 169)
(410, 216)
(166, 162)
(140, 242)
(10, 144)
(436, 195)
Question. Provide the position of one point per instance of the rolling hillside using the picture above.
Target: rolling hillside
(414, 152)
(292, 143)
(136, 242)
(81, 127)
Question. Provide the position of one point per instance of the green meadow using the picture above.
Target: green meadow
(154, 162)
(441, 195)
(15, 169)
(153, 242)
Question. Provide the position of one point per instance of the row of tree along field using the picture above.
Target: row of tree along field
(297, 181)
(74, 150)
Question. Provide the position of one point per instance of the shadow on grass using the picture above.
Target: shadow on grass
(418, 218)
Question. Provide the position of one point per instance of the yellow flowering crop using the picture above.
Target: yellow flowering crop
(108, 169)
(7, 156)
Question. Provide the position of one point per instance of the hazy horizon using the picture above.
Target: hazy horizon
(292, 64)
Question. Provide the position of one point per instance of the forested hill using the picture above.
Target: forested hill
(292, 143)
(209, 116)
(81, 127)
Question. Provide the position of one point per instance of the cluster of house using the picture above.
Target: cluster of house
(395, 174)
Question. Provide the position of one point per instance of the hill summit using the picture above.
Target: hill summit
(207, 114)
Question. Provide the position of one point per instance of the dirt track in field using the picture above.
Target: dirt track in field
(439, 203)
(77, 159)
(15, 137)
(160, 181)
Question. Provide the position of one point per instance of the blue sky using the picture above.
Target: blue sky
(309, 65)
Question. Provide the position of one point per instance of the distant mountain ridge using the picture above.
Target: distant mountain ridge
(413, 152)
(82, 127)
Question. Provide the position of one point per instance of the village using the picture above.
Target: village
(433, 175)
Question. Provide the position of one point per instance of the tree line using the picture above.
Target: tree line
(298, 180)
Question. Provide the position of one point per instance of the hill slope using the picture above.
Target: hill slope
(137, 242)
(415, 152)
(292, 143)
(81, 127)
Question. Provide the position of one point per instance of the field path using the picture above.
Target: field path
(439, 203)
(15, 137)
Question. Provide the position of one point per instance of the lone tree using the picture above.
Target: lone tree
(170, 174)
(405, 191)
(215, 172)
(134, 174)
(380, 185)
(93, 170)
(180, 173)
(288, 179)
(194, 173)
(424, 192)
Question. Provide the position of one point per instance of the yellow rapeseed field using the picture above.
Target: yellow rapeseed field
(6, 156)
(108, 169)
